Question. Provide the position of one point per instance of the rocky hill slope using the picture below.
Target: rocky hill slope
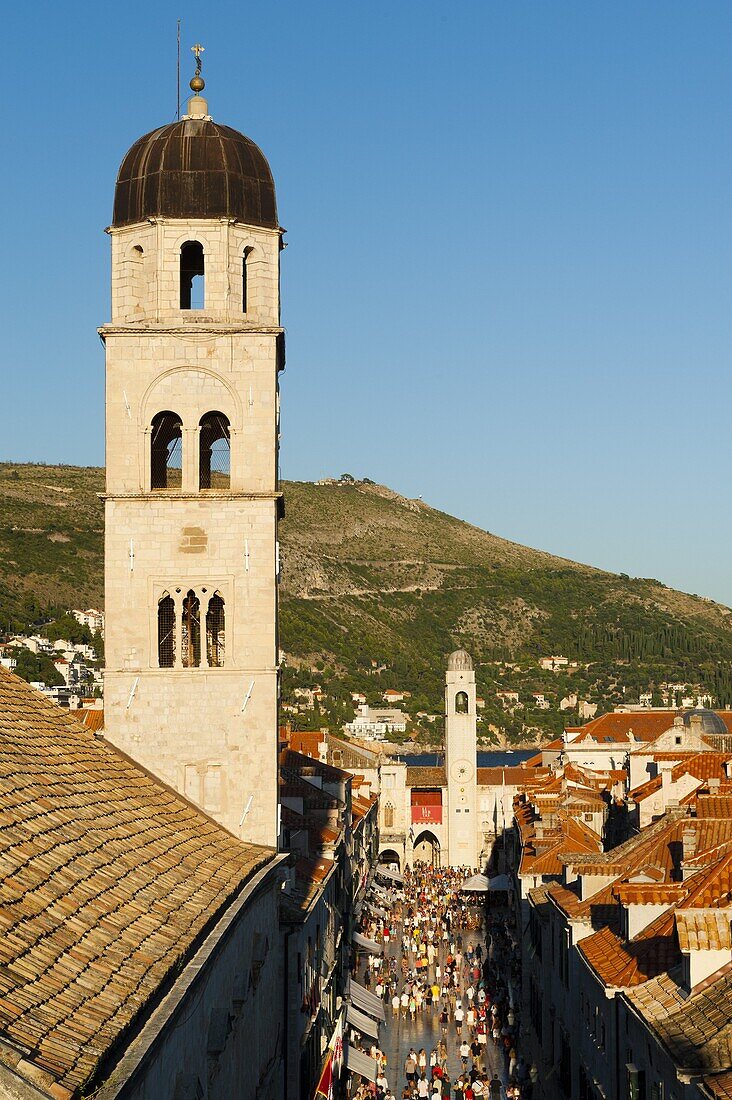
(371, 576)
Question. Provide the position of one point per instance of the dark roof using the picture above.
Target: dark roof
(108, 882)
(426, 777)
(195, 168)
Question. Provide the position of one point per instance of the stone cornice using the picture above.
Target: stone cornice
(205, 328)
(204, 494)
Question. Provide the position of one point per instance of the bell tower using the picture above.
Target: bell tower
(460, 761)
(193, 352)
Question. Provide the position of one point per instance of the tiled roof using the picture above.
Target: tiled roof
(308, 765)
(426, 777)
(703, 765)
(712, 888)
(306, 883)
(622, 964)
(108, 882)
(511, 776)
(695, 1029)
(719, 1086)
(644, 790)
(91, 717)
(704, 929)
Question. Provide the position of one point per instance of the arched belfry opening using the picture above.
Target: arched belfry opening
(461, 702)
(245, 274)
(192, 276)
(166, 451)
(214, 452)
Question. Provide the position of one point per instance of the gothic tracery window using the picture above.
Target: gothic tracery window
(215, 632)
(388, 816)
(166, 631)
(191, 631)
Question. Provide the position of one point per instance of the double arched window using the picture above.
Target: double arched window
(214, 452)
(388, 816)
(181, 616)
(166, 452)
(461, 702)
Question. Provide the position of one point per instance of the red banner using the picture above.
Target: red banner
(427, 813)
(324, 1091)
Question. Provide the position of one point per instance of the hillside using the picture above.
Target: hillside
(371, 576)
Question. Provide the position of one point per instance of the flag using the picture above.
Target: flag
(324, 1089)
(336, 1045)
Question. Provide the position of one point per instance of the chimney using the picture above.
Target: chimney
(666, 767)
(689, 841)
(714, 784)
(696, 724)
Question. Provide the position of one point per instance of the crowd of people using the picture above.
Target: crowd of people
(447, 960)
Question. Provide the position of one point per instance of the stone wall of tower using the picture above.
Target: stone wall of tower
(211, 733)
(463, 832)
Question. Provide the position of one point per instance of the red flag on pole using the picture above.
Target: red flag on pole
(324, 1090)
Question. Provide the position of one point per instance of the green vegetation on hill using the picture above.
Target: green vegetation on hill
(369, 576)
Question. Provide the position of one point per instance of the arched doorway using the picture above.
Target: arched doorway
(426, 849)
(390, 858)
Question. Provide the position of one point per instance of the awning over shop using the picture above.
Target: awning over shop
(358, 1062)
(363, 1023)
(366, 1000)
(380, 892)
(386, 872)
(477, 884)
(375, 909)
(366, 944)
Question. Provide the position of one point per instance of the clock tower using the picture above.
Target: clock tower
(460, 761)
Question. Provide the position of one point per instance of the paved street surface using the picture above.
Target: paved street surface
(402, 1031)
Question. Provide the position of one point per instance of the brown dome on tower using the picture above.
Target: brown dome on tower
(195, 168)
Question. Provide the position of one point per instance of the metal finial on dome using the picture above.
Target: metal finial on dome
(197, 82)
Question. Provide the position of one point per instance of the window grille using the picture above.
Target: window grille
(215, 452)
(166, 451)
(215, 632)
(166, 632)
(191, 631)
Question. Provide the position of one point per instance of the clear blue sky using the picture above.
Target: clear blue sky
(508, 280)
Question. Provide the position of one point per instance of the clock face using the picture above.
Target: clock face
(462, 771)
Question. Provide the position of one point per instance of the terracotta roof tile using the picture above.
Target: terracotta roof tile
(696, 1029)
(720, 1085)
(622, 964)
(108, 880)
(704, 929)
(426, 777)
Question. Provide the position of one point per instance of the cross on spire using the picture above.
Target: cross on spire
(198, 50)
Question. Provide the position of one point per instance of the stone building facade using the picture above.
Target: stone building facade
(450, 814)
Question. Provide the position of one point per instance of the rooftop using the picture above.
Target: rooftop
(108, 882)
